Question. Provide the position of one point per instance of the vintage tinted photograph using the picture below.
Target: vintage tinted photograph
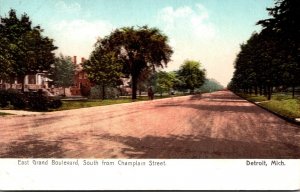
(150, 79)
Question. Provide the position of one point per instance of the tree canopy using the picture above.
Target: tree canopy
(191, 75)
(138, 49)
(271, 58)
(62, 71)
(26, 50)
(103, 67)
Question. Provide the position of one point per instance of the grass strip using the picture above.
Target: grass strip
(280, 103)
(4, 114)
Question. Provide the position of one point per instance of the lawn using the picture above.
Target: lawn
(3, 114)
(280, 103)
(97, 102)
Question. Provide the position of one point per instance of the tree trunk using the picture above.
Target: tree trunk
(269, 92)
(293, 91)
(103, 92)
(134, 86)
(140, 92)
(260, 90)
(255, 89)
(265, 91)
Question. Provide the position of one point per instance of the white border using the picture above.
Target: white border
(208, 174)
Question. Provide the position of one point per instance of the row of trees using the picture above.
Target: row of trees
(271, 59)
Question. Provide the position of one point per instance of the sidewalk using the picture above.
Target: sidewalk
(21, 112)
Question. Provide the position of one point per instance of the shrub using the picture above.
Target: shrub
(17, 99)
(4, 98)
(37, 101)
(54, 104)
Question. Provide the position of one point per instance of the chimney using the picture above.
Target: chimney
(74, 60)
(82, 60)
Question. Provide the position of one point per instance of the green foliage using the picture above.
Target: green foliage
(271, 58)
(288, 108)
(18, 100)
(139, 49)
(190, 75)
(24, 49)
(97, 92)
(62, 71)
(4, 98)
(103, 67)
(164, 82)
(282, 104)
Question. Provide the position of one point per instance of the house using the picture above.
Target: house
(82, 84)
(31, 82)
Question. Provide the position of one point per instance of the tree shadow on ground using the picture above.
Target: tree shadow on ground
(217, 108)
(31, 147)
(198, 147)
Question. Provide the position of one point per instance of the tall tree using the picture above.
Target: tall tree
(191, 75)
(6, 60)
(285, 23)
(138, 49)
(103, 67)
(62, 71)
(31, 52)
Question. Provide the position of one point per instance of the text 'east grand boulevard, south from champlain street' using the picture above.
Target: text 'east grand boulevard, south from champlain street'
(82, 162)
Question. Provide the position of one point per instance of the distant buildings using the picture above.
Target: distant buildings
(81, 84)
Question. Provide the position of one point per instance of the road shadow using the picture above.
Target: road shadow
(198, 147)
(31, 147)
(217, 108)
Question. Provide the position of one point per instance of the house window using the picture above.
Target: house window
(31, 79)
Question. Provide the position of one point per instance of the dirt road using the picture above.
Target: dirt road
(217, 125)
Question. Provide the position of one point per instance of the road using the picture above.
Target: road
(215, 125)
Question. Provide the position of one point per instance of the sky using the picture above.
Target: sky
(208, 31)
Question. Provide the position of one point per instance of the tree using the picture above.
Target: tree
(257, 65)
(62, 72)
(6, 60)
(103, 67)
(191, 75)
(164, 82)
(139, 49)
(285, 24)
(30, 51)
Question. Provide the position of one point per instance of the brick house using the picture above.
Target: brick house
(82, 85)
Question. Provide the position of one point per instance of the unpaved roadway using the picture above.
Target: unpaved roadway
(216, 125)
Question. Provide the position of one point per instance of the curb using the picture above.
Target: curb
(295, 121)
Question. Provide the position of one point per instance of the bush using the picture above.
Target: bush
(37, 101)
(4, 98)
(55, 104)
(17, 99)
